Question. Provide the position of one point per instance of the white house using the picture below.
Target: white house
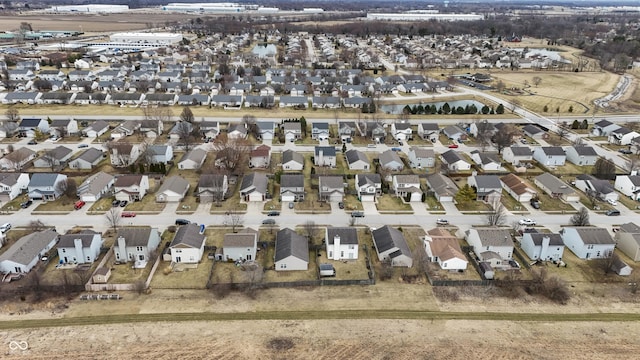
(254, 187)
(292, 251)
(187, 246)
(160, 153)
(357, 160)
(629, 185)
(517, 155)
(136, 244)
(389, 160)
(89, 158)
(391, 246)
(401, 131)
(325, 156)
(421, 158)
(368, 186)
(443, 248)
(173, 189)
(12, 185)
(517, 188)
(80, 248)
(44, 186)
(292, 187)
(407, 187)
(549, 155)
(602, 189)
(622, 136)
(240, 246)
(628, 240)
(581, 155)
(131, 187)
(454, 162)
(588, 242)
(491, 245)
(260, 157)
(22, 256)
(542, 246)
(192, 160)
(429, 131)
(488, 161)
(292, 160)
(604, 128)
(341, 243)
(96, 187)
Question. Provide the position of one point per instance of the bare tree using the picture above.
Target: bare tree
(185, 133)
(420, 259)
(581, 218)
(498, 214)
(160, 113)
(484, 133)
(562, 130)
(49, 157)
(71, 190)
(62, 186)
(187, 115)
(12, 114)
(606, 263)
(250, 123)
(234, 218)
(592, 196)
(114, 218)
(604, 169)
(310, 230)
(231, 152)
(537, 80)
(36, 225)
(504, 137)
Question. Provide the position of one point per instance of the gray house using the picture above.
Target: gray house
(45, 187)
(331, 188)
(136, 245)
(292, 251)
(391, 246)
(96, 186)
(212, 188)
(22, 256)
(582, 155)
(53, 158)
(291, 187)
(87, 160)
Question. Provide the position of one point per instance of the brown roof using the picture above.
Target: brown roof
(127, 180)
(514, 183)
(239, 240)
(262, 150)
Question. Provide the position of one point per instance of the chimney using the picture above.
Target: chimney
(545, 247)
(336, 247)
(122, 250)
(79, 254)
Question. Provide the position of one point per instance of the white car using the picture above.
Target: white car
(5, 227)
(612, 202)
(442, 222)
(529, 222)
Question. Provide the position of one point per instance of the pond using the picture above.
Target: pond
(264, 50)
(397, 108)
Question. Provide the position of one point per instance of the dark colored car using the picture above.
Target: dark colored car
(273, 213)
(535, 204)
(26, 204)
(32, 142)
(341, 205)
(625, 151)
(123, 203)
(612, 212)
(357, 214)
(115, 203)
(182, 222)
(268, 222)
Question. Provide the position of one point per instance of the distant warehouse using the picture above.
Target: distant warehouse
(424, 16)
(146, 38)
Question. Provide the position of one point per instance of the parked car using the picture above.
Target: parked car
(357, 214)
(625, 151)
(291, 205)
(341, 205)
(78, 205)
(115, 203)
(82, 146)
(453, 146)
(123, 203)
(535, 203)
(32, 142)
(400, 142)
(612, 212)
(612, 202)
(268, 222)
(442, 222)
(5, 227)
(26, 204)
(182, 222)
(396, 149)
(128, 214)
(528, 222)
(273, 213)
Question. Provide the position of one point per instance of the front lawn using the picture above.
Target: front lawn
(388, 202)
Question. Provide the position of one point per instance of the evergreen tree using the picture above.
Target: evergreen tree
(485, 110)
(500, 109)
(446, 109)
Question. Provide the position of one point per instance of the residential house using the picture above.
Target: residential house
(292, 160)
(556, 188)
(453, 132)
(622, 136)
(491, 245)
(628, 240)
(28, 97)
(341, 243)
(482, 128)
(131, 187)
(209, 129)
(292, 131)
(629, 185)
(517, 155)
(389, 160)
(187, 246)
(292, 251)
(357, 160)
(54, 158)
(16, 160)
(581, 155)
(429, 131)
(331, 188)
(64, 127)
(373, 130)
(260, 157)
(488, 161)
(8, 129)
(421, 158)
(588, 242)
(533, 131)
(96, 129)
(368, 186)
(443, 248)
(326, 102)
(517, 188)
(192, 160)
(320, 131)
(240, 246)
(124, 154)
(194, 99)
(87, 160)
(391, 246)
(254, 187)
(212, 188)
(45, 186)
(226, 101)
(180, 129)
(325, 156)
(79, 248)
(549, 155)
(12, 185)
(454, 162)
(401, 131)
(266, 129)
(407, 187)
(173, 189)
(237, 131)
(28, 127)
(604, 128)
(151, 128)
(443, 188)
(291, 187)
(602, 189)
(542, 246)
(96, 187)
(346, 131)
(160, 153)
(488, 188)
(25, 254)
(136, 244)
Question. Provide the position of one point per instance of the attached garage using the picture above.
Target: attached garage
(288, 197)
(367, 198)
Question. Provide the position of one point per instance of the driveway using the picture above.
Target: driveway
(369, 207)
(419, 208)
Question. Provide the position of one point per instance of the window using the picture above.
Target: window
(589, 246)
(341, 254)
(178, 251)
(351, 247)
(64, 250)
(139, 248)
(330, 254)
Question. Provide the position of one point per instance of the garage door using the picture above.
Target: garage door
(288, 198)
(367, 198)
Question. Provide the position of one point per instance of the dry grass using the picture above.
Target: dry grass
(388, 202)
(126, 274)
(182, 276)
